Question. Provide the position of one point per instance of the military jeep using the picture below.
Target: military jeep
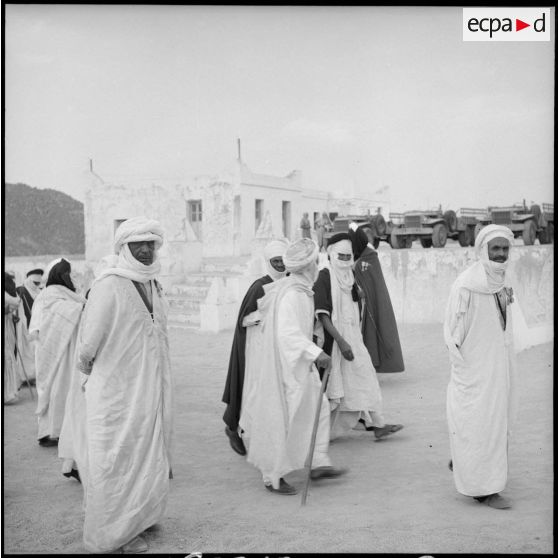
(528, 223)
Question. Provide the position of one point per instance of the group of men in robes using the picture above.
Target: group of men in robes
(289, 330)
(341, 318)
(19, 345)
(10, 370)
(104, 389)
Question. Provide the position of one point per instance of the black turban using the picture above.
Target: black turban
(35, 272)
(9, 284)
(60, 275)
(337, 237)
(359, 241)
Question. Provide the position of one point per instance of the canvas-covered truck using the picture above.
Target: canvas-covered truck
(526, 223)
(431, 228)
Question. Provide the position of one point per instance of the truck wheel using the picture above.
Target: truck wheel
(379, 224)
(478, 228)
(529, 232)
(465, 237)
(426, 242)
(439, 235)
(546, 236)
(450, 217)
(536, 211)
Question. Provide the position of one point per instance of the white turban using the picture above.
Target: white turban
(488, 233)
(138, 229)
(275, 249)
(495, 271)
(300, 254)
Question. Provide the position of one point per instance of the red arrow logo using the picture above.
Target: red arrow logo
(519, 25)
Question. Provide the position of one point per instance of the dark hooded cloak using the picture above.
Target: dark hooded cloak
(379, 328)
(232, 395)
(60, 275)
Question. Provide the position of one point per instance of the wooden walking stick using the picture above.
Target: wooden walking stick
(308, 463)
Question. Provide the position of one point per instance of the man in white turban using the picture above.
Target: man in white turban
(481, 395)
(353, 388)
(27, 292)
(288, 384)
(234, 393)
(124, 351)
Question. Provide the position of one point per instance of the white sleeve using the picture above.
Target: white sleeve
(294, 344)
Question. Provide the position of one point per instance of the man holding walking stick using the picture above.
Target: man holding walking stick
(290, 399)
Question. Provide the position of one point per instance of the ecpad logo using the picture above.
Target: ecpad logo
(506, 24)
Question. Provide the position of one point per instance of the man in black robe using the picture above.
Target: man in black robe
(232, 396)
(379, 326)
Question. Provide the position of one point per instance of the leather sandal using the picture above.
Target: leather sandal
(386, 430)
(284, 488)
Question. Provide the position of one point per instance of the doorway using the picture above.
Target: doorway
(195, 217)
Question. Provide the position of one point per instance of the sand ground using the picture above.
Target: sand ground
(398, 497)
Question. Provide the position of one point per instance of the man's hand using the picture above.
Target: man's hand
(346, 350)
(323, 360)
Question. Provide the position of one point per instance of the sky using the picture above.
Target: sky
(357, 98)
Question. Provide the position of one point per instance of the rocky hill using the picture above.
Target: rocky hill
(39, 222)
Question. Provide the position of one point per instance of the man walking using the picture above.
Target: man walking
(353, 389)
(234, 385)
(288, 386)
(55, 319)
(124, 349)
(28, 292)
(481, 395)
(379, 328)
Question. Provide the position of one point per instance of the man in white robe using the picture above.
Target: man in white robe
(10, 371)
(288, 383)
(72, 444)
(54, 324)
(353, 388)
(243, 368)
(481, 395)
(125, 351)
(28, 292)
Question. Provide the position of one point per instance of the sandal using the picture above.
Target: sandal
(386, 430)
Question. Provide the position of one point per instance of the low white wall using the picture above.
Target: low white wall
(419, 281)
